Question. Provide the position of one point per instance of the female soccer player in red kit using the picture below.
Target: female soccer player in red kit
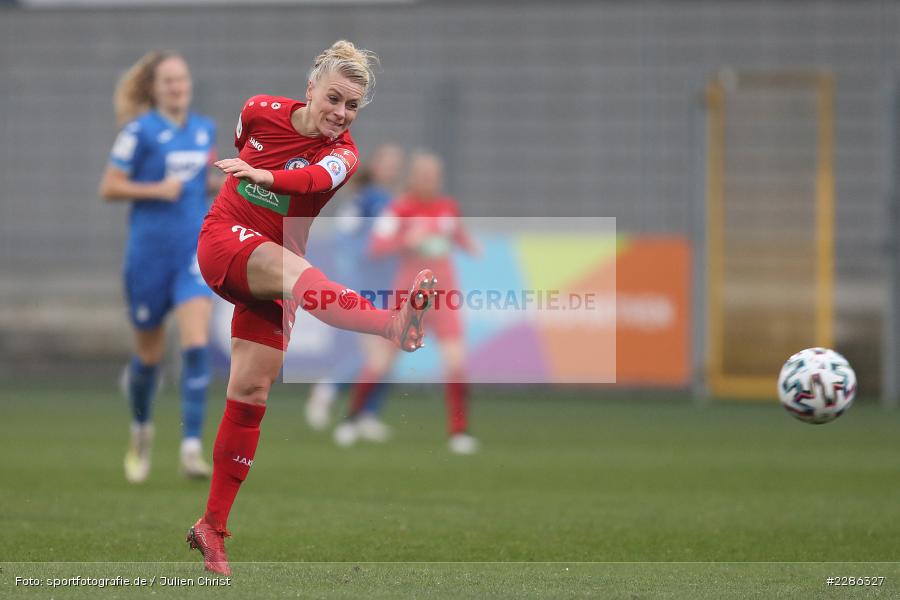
(292, 158)
(422, 227)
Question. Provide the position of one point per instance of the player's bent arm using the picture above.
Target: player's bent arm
(312, 179)
(116, 185)
(328, 174)
(309, 180)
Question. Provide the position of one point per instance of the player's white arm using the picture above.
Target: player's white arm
(116, 185)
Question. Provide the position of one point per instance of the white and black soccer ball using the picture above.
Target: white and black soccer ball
(817, 385)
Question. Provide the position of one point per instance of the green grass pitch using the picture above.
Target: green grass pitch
(577, 494)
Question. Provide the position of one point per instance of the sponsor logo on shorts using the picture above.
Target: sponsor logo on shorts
(298, 162)
(260, 196)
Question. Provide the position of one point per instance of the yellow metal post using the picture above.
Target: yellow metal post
(715, 194)
(825, 213)
(720, 382)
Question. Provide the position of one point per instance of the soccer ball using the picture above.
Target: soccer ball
(816, 385)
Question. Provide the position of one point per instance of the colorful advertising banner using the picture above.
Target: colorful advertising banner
(538, 301)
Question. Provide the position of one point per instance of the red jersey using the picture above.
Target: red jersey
(423, 233)
(266, 139)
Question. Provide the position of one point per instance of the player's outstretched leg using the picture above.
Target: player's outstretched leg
(335, 305)
(405, 328)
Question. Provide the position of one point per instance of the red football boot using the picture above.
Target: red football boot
(211, 544)
(405, 328)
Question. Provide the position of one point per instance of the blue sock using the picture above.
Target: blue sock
(142, 381)
(376, 398)
(194, 382)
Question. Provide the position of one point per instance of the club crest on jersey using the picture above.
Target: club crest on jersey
(298, 162)
(202, 138)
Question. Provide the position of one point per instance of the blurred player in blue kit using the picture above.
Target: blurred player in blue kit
(376, 184)
(160, 163)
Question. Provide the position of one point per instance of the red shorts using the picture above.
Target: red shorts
(223, 250)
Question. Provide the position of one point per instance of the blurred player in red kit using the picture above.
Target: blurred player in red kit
(423, 226)
(375, 184)
(292, 158)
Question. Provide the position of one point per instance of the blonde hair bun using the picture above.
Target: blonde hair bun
(356, 64)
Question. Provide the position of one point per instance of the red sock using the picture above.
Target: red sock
(232, 457)
(338, 306)
(457, 405)
(364, 385)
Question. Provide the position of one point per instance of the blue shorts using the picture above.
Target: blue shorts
(155, 283)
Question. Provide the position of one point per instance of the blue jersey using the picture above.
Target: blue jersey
(152, 148)
(161, 257)
(372, 200)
